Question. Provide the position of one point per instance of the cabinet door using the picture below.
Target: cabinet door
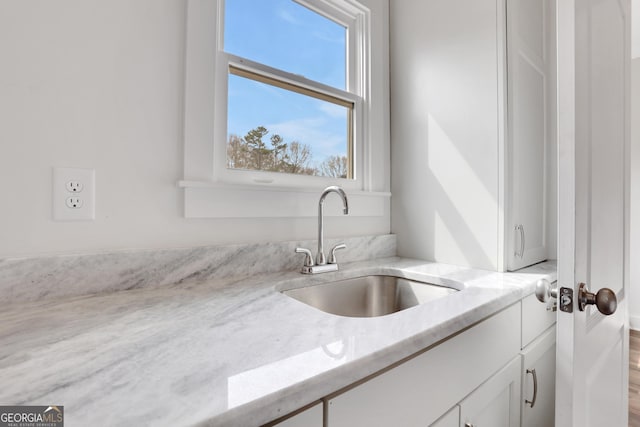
(496, 403)
(538, 403)
(311, 417)
(529, 127)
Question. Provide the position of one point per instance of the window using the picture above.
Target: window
(272, 117)
(292, 104)
(277, 125)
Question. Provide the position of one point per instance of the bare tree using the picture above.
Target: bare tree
(297, 157)
(237, 153)
(334, 166)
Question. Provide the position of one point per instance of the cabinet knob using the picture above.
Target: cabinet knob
(544, 291)
(605, 299)
(468, 425)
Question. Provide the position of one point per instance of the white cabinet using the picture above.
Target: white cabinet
(419, 391)
(311, 417)
(496, 403)
(498, 373)
(530, 111)
(539, 380)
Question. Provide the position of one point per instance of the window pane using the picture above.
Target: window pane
(278, 130)
(287, 36)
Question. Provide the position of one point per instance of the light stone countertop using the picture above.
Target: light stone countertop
(233, 352)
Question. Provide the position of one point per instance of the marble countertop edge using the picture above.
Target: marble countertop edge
(335, 381)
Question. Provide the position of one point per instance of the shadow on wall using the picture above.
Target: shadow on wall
(448, 223)
(460, 196)
(445, 164)
(458, 211)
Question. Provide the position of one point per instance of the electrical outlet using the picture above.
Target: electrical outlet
(74, 202)
(73, 194)
(74, 186)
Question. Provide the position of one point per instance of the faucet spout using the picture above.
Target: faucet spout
(320, 257)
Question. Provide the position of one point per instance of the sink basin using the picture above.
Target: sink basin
(369, 296)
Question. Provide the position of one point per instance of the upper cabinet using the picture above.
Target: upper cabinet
(530, 147)
(473, 131)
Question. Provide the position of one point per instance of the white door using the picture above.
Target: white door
(593, 126)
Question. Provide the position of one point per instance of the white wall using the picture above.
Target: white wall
(100, 84)
(634, 301)
(635, 28)
(444, 131)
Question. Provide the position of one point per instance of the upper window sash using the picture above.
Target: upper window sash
(348, 13)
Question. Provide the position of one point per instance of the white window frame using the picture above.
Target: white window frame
(206, 176)
(249, 177)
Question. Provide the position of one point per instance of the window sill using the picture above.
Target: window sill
(204, 199)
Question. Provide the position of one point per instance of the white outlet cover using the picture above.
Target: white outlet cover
(86, 178)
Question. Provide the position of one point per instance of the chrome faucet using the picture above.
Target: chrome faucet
(321, 265)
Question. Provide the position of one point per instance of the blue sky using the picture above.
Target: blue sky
(286, 35)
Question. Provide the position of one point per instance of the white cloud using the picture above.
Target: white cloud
(286, 16)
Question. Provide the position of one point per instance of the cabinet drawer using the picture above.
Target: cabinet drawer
(419, 391)
(535, 319)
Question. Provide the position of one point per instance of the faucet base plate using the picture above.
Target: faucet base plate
(316, 269)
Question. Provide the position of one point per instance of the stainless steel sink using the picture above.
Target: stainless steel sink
(369, 296)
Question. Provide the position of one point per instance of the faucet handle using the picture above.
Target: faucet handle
(332, 257)
(308, 259)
